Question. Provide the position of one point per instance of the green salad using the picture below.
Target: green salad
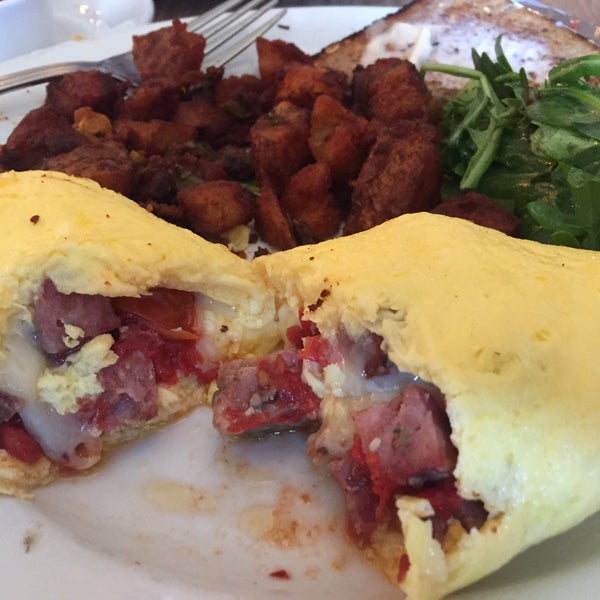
(534, 150)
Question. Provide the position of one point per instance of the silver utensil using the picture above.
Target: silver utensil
(586, 29)
(227, 34)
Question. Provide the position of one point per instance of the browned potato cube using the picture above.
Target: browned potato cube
(153, 137)
(215, 207)
(303, 84)
(270, 221)
(402, 174)
(389, 90)
(280, 144)
(41, 133)
(311, 205)
(338, 137)
(95, 89)
(107, 162)
(275, 55)
(154, 99)
(168, 52)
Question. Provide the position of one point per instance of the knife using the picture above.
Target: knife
(586, 29)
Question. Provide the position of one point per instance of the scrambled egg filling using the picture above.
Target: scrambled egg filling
(77, 377)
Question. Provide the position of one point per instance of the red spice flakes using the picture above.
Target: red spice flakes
(280, 574)
(35, 219)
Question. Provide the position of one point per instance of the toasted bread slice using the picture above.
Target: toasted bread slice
(445, 31)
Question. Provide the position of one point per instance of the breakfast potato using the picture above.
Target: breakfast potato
(274, 56)
(211, 123)
(215, 207)
(390, 90)
(402, 174)
(313, 209)
(153, 137)
(270, 221)
(479, 209)
(172, 52)
(280, 144)
(43, 132)
(338, 137)
(94, 89)
(153, 99)
(303, 84)
(106, 162)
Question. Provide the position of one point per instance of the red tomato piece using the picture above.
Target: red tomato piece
(320, 350)
(296, 333)
(443, 497)
(172, 313)
(15, 439)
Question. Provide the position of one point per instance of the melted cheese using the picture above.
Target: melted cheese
(22, 365)
(344, 388)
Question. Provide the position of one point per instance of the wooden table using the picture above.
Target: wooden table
(169, 9)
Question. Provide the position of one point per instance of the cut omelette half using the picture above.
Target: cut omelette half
(450, 375)
(112, 322)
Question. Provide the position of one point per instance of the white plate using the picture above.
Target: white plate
(76, 19)
(184, 514)
(25, 27)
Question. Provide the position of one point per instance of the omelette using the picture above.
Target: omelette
(112, 322)
(455, 379)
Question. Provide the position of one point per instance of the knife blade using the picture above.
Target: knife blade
(586, 29)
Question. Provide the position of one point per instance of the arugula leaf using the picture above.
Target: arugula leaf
(570, 108)
(536, 151)
(575, 71)
(574, 221)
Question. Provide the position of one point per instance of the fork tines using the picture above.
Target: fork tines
(220, 25)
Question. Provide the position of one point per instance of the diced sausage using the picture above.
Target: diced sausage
(54, 310)
(480, 209)
(264, 394)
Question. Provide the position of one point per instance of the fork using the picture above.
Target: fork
(218, 26)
